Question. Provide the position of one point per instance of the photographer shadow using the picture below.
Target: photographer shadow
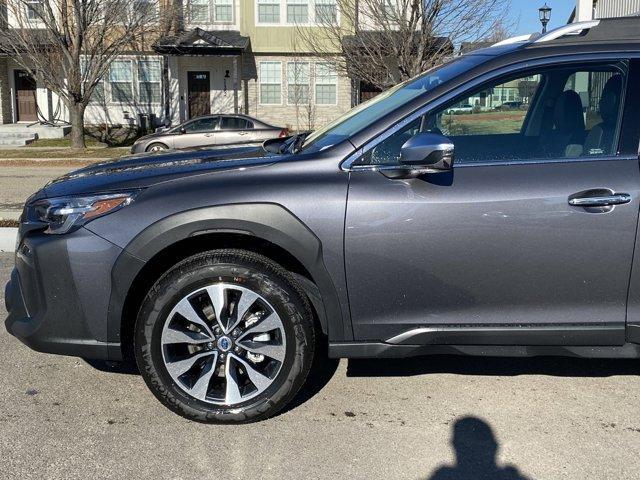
(476, 448)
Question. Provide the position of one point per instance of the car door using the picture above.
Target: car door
(199, 132)
(234, 130)
(513, 245)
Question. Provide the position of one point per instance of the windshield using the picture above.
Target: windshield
(364, 114)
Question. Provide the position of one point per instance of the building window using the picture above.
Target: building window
(298, 83)
(268, 11)
(326, 11)
(97, 96)
(199, 11)
(121, 80)
(297, 11)
(149, 81)
(270, 83)
(34, 10)
(326, 84)
(143, 10)
(223, 10)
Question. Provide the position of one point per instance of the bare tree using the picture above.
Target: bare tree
(383, 42)
(68, 45)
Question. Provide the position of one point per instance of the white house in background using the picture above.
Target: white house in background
(592, 9)
(230, 56)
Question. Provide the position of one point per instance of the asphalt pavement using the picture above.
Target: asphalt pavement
(18, 181)
(430, 418)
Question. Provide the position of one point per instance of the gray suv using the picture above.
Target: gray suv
(225, 273)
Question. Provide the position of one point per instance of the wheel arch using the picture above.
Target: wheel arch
(267, 229)
(164, 144)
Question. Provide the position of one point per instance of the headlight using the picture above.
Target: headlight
(64, 214)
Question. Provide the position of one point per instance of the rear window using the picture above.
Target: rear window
(235, 123)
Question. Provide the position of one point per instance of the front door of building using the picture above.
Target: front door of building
(25, 97)
(199, 87)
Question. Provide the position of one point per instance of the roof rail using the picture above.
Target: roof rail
(518, 39)
(570, 29)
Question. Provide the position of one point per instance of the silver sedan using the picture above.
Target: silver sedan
(210, 131)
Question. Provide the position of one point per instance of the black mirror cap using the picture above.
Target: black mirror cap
(183, 130)
(273, 145)
(428, 151)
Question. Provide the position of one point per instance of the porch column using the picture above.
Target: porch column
(165, 88)
(50, 118)
(235, 84)
(584, 10)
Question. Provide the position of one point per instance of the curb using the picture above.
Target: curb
(10, 214)
(8, 239)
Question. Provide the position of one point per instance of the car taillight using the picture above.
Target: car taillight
(283, 133)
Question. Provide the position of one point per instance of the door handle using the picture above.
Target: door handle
(600, 200)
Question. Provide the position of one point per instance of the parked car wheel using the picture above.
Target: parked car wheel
(156, 147)
(225, 336)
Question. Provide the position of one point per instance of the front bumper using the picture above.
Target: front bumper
(58, 294)
(137, 148)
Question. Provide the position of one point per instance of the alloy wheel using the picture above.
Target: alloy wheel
(223, 344)
(156, 148)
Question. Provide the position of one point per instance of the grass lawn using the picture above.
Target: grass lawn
(485, 123)
(63, 142)
(63, 153)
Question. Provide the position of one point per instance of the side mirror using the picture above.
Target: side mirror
(183, 130)
(426, 153)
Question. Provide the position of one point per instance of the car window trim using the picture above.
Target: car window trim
(347, 164)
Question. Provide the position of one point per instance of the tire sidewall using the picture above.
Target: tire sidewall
(156, 144)
(198, 272)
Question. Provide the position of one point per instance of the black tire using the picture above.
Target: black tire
(245, 269)
(156, 147)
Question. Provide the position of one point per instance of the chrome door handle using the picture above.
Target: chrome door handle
(600, 200)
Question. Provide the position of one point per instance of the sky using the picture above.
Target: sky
(524, 14)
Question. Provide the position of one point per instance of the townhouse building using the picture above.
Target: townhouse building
(225, 56)
(592, 9)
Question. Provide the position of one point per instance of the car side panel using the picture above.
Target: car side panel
(313, 193)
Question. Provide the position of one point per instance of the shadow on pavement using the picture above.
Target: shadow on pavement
(322, 371)
(492, 366)
(324, 368)
(476, 448)
(125, 368)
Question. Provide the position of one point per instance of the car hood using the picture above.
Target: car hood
(143, 170)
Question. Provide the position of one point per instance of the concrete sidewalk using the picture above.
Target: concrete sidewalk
(8, 239)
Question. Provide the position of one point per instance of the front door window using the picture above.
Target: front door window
(568, 112)
(206, 124)
(553, 113)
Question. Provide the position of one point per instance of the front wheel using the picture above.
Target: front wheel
(225, 336)
(157, 147)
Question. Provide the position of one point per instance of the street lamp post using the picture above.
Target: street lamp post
(545, 16)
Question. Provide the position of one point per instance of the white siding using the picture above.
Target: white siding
(616, 8)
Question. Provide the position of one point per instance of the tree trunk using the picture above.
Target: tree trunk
(76, 112)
